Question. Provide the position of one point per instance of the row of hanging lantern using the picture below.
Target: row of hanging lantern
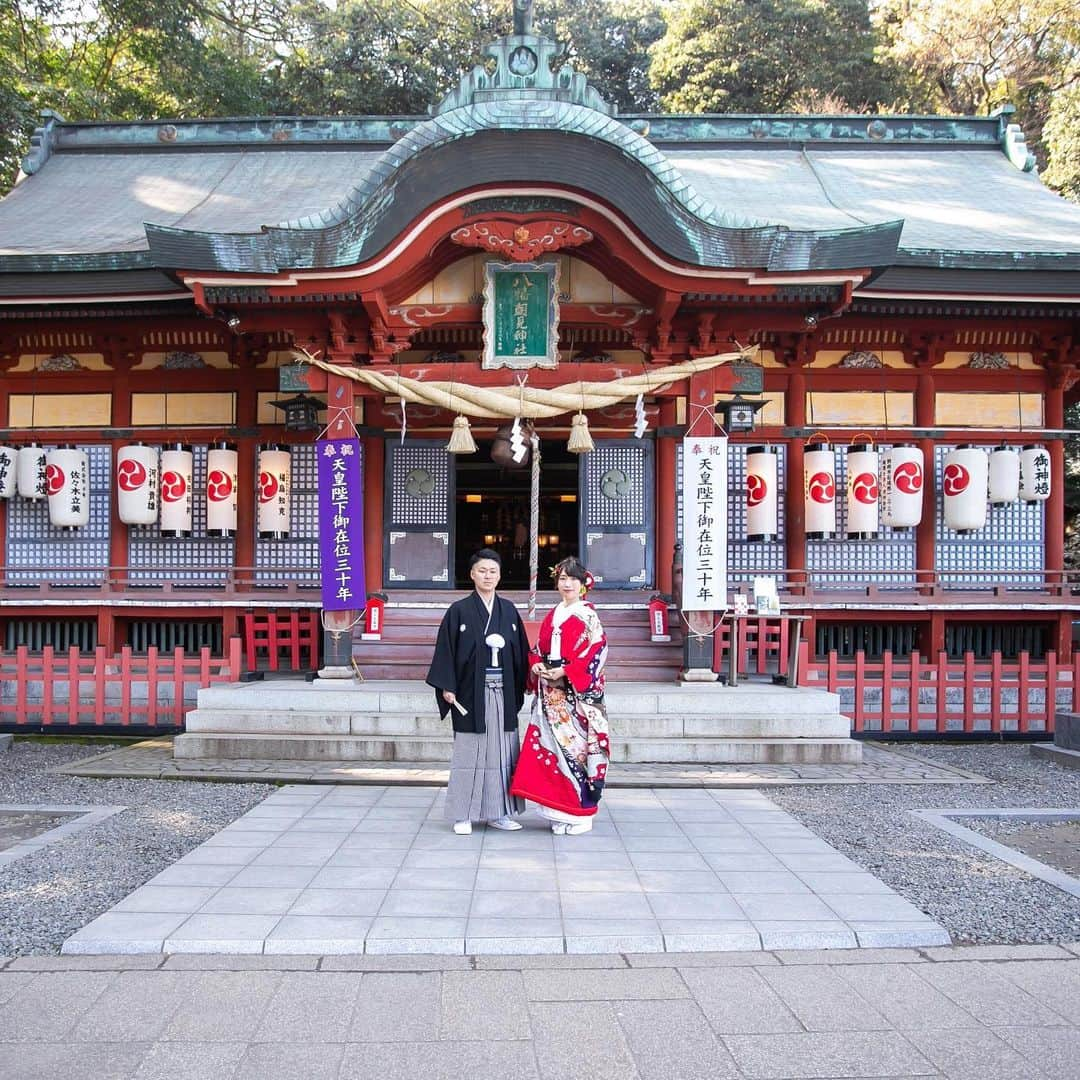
(887, 489)
(153, 487)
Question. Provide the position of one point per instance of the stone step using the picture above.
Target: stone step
(438, 749)
(666, 725)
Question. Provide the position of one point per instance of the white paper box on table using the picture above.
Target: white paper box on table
(9, 471)
(177, 475)
(862, 492)
(31, 472)
(819, 492)
(1034, 474)
(1004, 483)
(902, 480)
(138, 479)
(67, 478)
(964, 489)
(275, 485)
(222, 463)
(761, 499)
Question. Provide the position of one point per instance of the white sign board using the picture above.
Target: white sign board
(704, 524)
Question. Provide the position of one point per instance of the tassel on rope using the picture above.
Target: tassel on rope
(580, 441)
(461, 438)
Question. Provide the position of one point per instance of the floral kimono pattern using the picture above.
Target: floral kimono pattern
(565, 751)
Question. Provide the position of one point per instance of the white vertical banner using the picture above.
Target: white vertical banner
(705, 512)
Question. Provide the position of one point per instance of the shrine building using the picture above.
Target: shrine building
(879, 312)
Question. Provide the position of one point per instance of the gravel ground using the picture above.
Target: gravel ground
(1055, 843)
(47, 896)
(976, 897)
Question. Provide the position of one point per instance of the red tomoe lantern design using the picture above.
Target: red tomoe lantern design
(955, 479)
(54, 479)
(822, 488)
(173, 486)
(865, 488)
(130, 475)
(908, 477)
(219, 486)
(762, 515)
(275, 485)
(756, 490)
(268, 486)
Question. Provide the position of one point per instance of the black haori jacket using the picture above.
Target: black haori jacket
(461, 658)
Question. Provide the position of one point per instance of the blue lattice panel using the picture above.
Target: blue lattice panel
(1012, 541)
(746, 558)
(887, 561)
(39, 553)
(295, 560)
(616, 486)
(192, 560)
(419, 485)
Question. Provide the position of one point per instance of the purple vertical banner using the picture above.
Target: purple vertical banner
(341, 524)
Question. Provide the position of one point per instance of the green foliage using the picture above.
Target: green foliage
(766, 55)
(1061, 137)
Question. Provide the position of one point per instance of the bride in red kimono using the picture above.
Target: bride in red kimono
(565, 751)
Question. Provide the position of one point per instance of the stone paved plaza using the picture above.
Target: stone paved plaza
(349, 869)
(977, 1013)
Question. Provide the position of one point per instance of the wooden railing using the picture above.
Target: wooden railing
(276, 641)
(942, 697)
(55, 691)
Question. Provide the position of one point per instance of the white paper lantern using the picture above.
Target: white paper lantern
(275, 485)
(67, 480)
(1004, 485)
(177, 473)
(30, 472)
(862, 492)
(964, 488)
(902, 481)
(138, 477)
(761, 500)
(9, 471)
(222, 463)
(1034, 474)
(819, 498)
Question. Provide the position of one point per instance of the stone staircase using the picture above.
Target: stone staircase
(700, 723)
(413, 617)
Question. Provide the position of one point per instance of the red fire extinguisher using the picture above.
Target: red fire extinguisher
(658, 619)
(373, 617)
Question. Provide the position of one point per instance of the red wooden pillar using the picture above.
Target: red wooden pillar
(665, 504)
(118, 531)
(925, 531)
(794, 504)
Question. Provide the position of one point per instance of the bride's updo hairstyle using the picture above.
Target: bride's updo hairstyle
(573, 569)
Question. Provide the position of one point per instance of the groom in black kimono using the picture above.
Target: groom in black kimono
(479, 671)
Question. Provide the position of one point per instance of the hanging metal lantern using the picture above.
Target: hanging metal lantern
(275, 486)
(177, 476)
(819, 498)
(902, 481)
(862, 492)
(138, 479)
(222, 465)
(1004, 484)
(1034, 474)
(9, 478)
(30, 472)
(761, 495)
(301, 412)
(964, 481)
(67, 479)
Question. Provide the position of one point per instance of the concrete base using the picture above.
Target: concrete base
(701, 723)
(6, 742)
(1067, 730)
(1060, 755)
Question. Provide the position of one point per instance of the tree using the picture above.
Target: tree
(766, 55)
(971, 56)
(1061, 136)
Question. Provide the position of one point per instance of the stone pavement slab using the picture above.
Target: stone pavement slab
(300, 889)
(849, 1014)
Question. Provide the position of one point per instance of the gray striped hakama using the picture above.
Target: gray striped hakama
(482, 764)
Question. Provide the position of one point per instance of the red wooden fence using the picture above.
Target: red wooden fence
(118, 690)
(763, 646)
(273, 636)
(943, 696)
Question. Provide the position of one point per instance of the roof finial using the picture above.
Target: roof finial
(523, 17)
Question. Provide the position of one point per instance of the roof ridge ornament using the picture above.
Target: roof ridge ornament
(524, 72)
(42, 144)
